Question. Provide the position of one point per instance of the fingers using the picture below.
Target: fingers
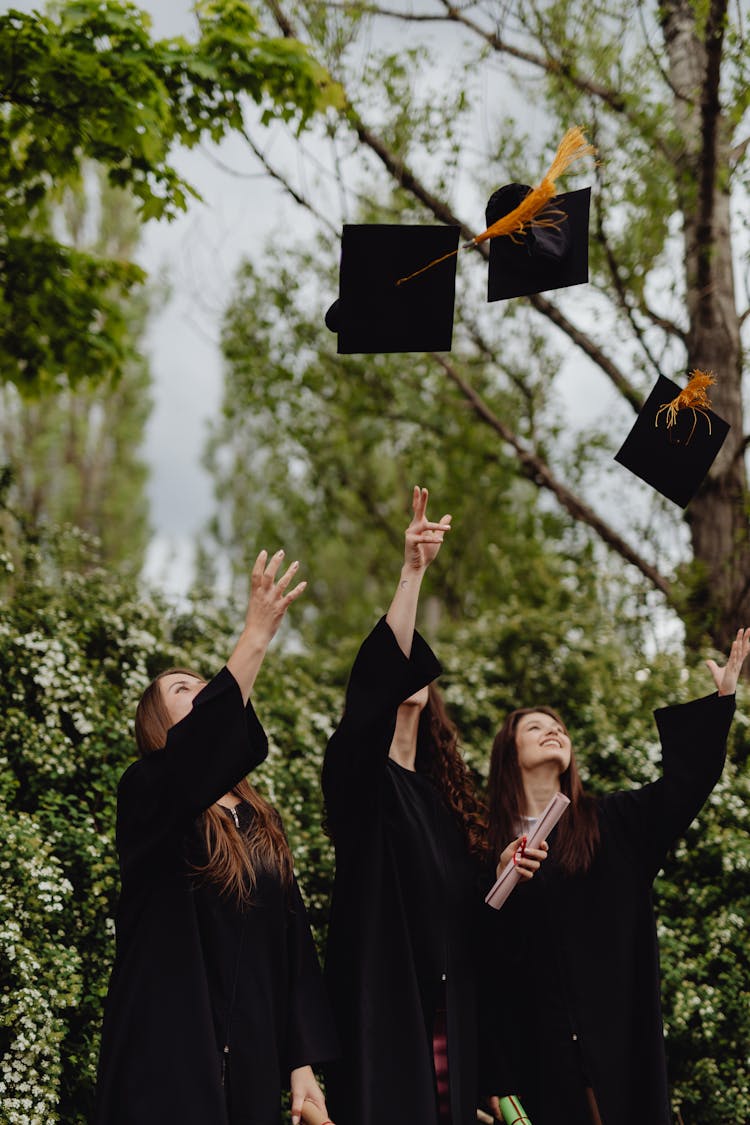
(433, 533)
(258, 567)
(519, 849)
(269, 599)
(528, 860)
(288, 575)
(420, 497)
(740, 647)
(269, 572)
(419, 501)
(726, 678)
(274, 564)
(295, 593)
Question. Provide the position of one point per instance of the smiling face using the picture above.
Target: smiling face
(178, 690)
(542, 740)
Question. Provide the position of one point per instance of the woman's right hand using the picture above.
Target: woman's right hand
(423, 539)
(269, 599)
(527, 860)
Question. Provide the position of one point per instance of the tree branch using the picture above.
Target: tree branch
(539, 472)
(589, 348)
(281, 179)
(622, 297)
(736, 154)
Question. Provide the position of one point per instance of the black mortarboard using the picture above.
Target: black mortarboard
(373, 313)
(675, 439)
(551, 253)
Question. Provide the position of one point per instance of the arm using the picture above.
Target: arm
(269, 601)
(392, 664)
(693, 737)
(423, 541)
(355, 759)
(219, 741)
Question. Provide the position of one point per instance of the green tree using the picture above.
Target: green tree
(88, 82)
(74, 453)
(663, 91)
(319, 453)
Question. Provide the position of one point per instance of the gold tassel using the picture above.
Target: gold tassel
(694, 397)
(572, 147)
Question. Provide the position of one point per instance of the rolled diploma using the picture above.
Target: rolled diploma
(509, 876)
(512, 1110)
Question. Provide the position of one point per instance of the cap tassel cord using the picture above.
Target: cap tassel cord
(694, 397)
(530, 210)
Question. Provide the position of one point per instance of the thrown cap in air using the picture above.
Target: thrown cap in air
(551, 252)
(380, 308)
(675, 439)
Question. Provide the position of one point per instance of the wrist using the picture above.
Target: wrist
(254, 638)
(411, 574)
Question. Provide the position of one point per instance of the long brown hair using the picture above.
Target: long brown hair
(577, 835)
(234, 860)
(439, 759)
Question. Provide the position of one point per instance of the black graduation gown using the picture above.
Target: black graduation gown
(403, 913)
(193, 973)
(575, 961)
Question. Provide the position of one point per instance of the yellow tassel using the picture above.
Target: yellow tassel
(572, 147)
(694, 397)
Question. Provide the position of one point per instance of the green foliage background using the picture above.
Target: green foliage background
(77, 651)
(522, 607)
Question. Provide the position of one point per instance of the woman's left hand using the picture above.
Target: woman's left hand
(726, 678)
(305, 1088)
(527, 860)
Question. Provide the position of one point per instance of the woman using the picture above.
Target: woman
(408, 833)
(577, 971)
(216, 998)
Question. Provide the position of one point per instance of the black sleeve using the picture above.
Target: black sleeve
(206, 753)
(311, 1037)
(693, 738)
(381, 679)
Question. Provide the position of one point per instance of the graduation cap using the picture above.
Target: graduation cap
(675, 439)
(551, 249)
(540, 225)
(380, 308)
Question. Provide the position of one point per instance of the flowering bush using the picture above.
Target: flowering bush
(77, 647)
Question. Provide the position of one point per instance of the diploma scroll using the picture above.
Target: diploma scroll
(511, 1109)
(509, 876)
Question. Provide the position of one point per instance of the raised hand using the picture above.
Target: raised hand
(423, 538)
(726, 678)
(269, 599)
(423, 541)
